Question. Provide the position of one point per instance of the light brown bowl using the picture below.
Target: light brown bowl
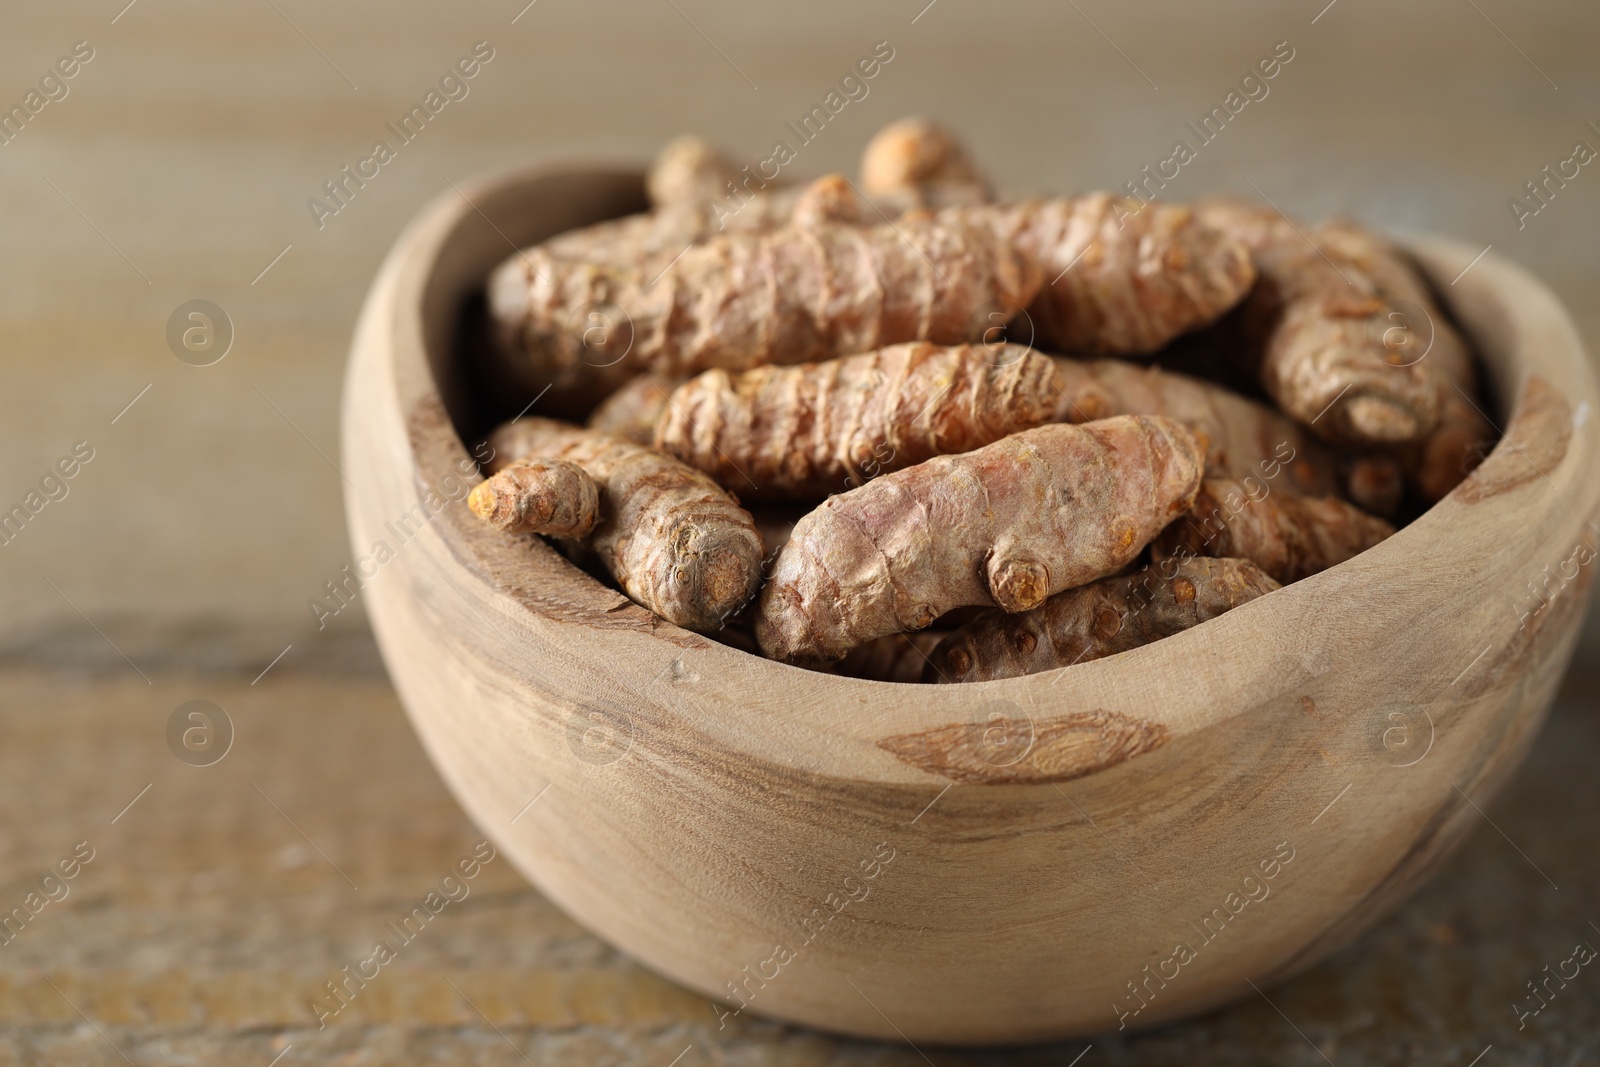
(999, 862)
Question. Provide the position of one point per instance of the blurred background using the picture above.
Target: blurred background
(176, 163)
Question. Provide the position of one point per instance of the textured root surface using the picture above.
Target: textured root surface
(1245, 439)
(674, 540)
(808, 430)
(1352, 343)
(740, 300)
(1006, 525)
(541, 496)
(1120, 279)
(1287, 536)
(1099, 619)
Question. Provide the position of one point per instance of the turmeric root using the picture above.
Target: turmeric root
(1006, 525)
(1099, 619)
(672, 539)
(633, 410)
(739, 300)
(1245, 439)
(1334, 355)
(916, 163)
(542, 496)
(1460, 440)
(1118, 279)
(828, 199)
(895, 658)
(808, 430)
(1376, 483)
(1461, 436)
(689, 170)
(697, 193)
(1287, 536)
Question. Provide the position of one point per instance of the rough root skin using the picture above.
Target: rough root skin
(1246, 439)
(541, 496)
(740, 300)
(805, 431)
(1009, 524)
(1335, 313)
(633, 410)
(1099, 619)
(675, 541)
(1120, 279)
(1290, 537)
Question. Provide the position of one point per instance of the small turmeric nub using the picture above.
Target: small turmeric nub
(917, 163)
(541, 496)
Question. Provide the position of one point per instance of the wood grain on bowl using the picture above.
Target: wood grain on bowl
(1218, 808)
(1536, 441)
(1001, 750)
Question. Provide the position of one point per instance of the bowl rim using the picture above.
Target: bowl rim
(1475, 286)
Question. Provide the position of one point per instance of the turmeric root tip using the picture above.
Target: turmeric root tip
(674, 541)
(542, 496)
(918, 163)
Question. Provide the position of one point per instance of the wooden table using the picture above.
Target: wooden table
(178, 166)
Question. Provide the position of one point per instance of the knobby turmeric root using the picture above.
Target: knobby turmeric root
(633, 410)
(1099, 619)
(1246, 439)
(1117, 282)
(675, 541)
(1118, 279)
(1338, 352)
(541, 496)
(1460, 440)
(1004, 526)
(917, 163)
(740, 300)
(1419, 332)
(828, 199)
(1289, 537)
(689, 170)
(805, 431)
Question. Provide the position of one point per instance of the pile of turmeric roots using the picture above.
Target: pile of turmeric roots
(899, 429)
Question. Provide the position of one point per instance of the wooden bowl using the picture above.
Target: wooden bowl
(1121, 843)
